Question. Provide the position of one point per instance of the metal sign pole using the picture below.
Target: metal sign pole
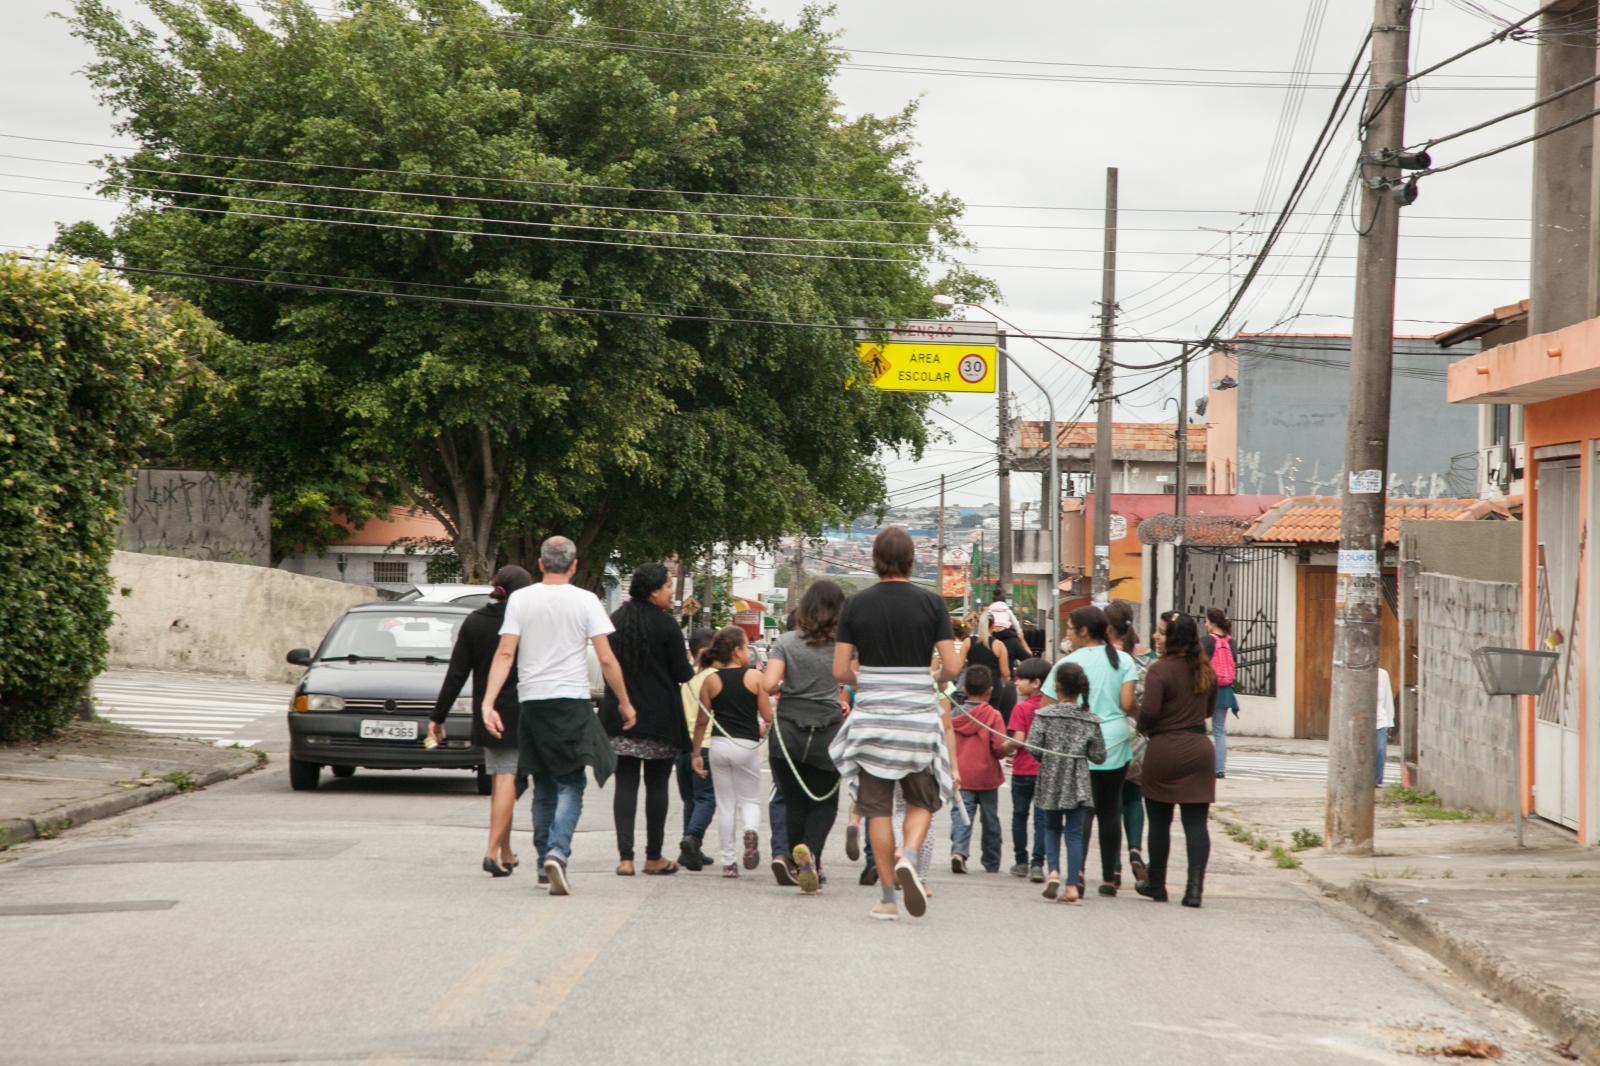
(1516, 776)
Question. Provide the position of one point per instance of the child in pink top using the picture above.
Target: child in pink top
(980, 745)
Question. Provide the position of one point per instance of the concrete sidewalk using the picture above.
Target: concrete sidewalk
(96, 769)
(1519, 922)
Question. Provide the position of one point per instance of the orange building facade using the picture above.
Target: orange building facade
(1555, 377)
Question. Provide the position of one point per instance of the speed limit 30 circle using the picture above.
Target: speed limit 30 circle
(973, 368)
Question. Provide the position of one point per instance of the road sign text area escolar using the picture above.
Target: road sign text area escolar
(931, 357)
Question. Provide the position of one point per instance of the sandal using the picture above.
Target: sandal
(730, 871)
(661, 871)
(625, 868)
(1052, 887)
(1069, 895)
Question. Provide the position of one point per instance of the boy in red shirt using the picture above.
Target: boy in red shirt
(1025, 772)
(978, 754)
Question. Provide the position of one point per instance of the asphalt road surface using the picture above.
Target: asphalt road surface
(251, 924)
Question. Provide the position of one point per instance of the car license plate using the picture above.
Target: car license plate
(372, 729)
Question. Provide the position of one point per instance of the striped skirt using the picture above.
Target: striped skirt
(894, 730)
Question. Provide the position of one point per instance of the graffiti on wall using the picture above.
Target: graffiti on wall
(1296, 477)
(195, 514)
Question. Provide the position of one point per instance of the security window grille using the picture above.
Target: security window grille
(1171, 489)
(391, 572)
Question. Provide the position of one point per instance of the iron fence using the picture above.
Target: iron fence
(1243, 581)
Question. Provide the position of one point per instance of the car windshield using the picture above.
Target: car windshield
(394, 636)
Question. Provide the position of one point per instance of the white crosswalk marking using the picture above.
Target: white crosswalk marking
(205, 709)
(1268, 766)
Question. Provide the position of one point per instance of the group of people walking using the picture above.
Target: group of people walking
(869, 701)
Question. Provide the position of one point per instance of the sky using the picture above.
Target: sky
(1028, 150)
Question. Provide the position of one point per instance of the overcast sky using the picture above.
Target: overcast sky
(1033, 154)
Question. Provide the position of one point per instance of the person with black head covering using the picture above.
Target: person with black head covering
(655, 662)
(472, 656)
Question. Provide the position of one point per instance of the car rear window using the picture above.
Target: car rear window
(393, 636)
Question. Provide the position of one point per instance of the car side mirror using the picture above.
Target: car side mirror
(300, 657)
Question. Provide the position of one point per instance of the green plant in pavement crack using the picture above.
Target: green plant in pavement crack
(1303, 839)
(183, 779)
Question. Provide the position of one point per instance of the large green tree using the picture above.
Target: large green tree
(504, 264)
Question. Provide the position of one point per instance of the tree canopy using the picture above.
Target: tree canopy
(522, 268)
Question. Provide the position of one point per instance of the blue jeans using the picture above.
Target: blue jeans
(1383, 751)
(557, 803)
(1071, 823)
(1022, 811)
(699, 795)
(778, 823)
(1219, 737)
(987, 802)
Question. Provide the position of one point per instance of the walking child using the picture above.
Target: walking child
(1025, 772)
(1066, 736)
(980, 745)
(735, 696)
(699, 794)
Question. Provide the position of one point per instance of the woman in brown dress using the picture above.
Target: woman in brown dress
(1180, 691)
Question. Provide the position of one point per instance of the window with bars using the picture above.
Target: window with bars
(391, 571)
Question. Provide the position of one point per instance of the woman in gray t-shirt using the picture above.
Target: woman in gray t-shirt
(809, 712)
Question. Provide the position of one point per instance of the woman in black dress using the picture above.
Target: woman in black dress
(654, 660)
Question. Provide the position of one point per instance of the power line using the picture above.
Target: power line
(1529, 139)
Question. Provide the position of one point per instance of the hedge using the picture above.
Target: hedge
(86, 371)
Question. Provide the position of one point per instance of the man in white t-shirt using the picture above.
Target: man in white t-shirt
(558, 732)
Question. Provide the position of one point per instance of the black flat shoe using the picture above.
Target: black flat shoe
(494, 869)
(1155, 893)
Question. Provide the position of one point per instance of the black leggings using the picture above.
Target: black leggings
(808, 821)
(1196, 836)
(1106, 788)
(657, 776)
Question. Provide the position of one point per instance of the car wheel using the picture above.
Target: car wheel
(485, 782)
(343, 771)
(303, 775)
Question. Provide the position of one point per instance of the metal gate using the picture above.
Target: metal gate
(1244, 583)
(1558, 623)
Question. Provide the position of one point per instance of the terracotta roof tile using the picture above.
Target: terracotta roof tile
(1125, 436)
(1315, 519)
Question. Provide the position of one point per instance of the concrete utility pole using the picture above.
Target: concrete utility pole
(1353, 722)
(1003, 445)
(1101, 586)
(797, 570)
(938, 571)
(1559, 269)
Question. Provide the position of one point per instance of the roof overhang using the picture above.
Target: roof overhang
(1546, 366)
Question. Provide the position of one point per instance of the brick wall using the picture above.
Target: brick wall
(1464, 736)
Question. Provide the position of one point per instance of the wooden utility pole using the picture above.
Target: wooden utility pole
(1003, 447)
(1182, 502)
(1101, 586)
(938, 571)
(1352, 727)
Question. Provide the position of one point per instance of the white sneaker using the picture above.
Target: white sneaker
(886, 912)
(556, 871)
(905, 876)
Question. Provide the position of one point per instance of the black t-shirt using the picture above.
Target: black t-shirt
(894, 623)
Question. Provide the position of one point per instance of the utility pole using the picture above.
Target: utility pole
(682, 578)
(797, 570)
(1182, 510)
(1352, 729)
(705, 604)
(1101, 586)
(938, 573)
(1003, 444)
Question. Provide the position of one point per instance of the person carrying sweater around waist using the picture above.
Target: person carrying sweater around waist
(980, 745)
(1066, 737)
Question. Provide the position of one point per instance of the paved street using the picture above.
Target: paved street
(162, 704)
(248, 924)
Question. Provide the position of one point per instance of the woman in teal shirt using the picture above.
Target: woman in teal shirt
(1111, 681)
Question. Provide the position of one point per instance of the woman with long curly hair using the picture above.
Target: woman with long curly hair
(810, 712)
(650, 648)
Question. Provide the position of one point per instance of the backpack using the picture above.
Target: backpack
(1222, 661)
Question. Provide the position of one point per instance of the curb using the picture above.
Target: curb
(1547, 1006)
(15, 831)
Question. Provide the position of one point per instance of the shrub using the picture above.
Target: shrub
(86, 369)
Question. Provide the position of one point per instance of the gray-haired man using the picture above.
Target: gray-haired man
(559, 733)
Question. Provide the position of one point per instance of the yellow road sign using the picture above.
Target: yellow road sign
(923, 366)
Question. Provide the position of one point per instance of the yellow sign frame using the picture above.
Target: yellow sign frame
(929, 366)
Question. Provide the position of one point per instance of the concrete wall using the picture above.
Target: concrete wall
(1464, 737)
(218, 618)
(197, 515)
(1293, 408)
(1482, 551)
